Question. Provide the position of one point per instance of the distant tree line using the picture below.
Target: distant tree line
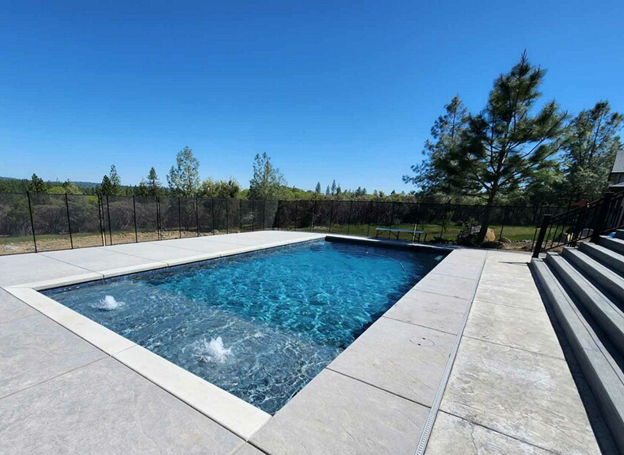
(515, 151)
(183, 179)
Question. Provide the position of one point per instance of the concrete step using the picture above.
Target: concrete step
(605, 256)
(616, 245)
(605, 312)
(620, 234)
(597, 273)
(600, 368)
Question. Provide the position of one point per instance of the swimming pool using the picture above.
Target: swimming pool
(259, 325)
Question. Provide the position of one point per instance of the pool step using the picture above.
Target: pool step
(598, 358)
(604, 255)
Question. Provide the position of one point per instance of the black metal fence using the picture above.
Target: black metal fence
(588, 222)
(44, 222)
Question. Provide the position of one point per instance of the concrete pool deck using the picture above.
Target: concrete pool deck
(477, 315)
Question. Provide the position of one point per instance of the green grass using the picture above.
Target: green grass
(514, 233)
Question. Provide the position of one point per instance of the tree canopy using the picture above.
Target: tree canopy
(446, 133)
(37, 185)
(111, 183)
(183, 178)
(220, 189)
(590, 145)
(498, 150)
(267, 180)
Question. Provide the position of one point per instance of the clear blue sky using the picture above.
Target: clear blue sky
(330, 90)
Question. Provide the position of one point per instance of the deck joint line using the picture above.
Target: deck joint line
(437, 400)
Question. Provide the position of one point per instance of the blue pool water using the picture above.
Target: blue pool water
(260, 325)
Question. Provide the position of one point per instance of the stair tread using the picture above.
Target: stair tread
(602, 308)
(611, 281)
(614, 244)
(606, 372)
(587, 283)
(601, 251)
(594, 340)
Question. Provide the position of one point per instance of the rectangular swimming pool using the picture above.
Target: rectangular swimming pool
(259, 325)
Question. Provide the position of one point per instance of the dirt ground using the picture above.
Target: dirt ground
(63, 242)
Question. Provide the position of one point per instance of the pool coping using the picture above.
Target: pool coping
(233, 413)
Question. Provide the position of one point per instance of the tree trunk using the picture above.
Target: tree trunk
(485, 222)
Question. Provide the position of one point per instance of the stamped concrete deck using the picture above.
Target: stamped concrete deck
(477, 316)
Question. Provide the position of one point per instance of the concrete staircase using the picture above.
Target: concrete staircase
(585, 287)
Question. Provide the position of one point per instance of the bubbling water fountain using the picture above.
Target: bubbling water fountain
(108, 303)
(213, 351)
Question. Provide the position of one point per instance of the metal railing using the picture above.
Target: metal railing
(32, 222)
(587, 222)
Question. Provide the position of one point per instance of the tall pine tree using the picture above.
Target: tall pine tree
(267, 181)
(590, 146)
(504, 146)
(446, 135)
(183, 178)
(37, 185)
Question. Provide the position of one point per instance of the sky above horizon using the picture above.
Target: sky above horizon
(330, 90)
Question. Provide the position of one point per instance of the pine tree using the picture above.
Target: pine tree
(142, 189)
(115, 180)
(446, 133)
(327, 191)
(504, 146)
(183, 178)
(267, 181)
(37, 185)
(106, 188)
(590, 147)
(333, 188)
(153, 186)
(111, 184)
(317, 190)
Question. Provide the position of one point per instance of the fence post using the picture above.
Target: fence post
(227, 217)
(110, 229)
(349, 222)
(71, 240)
(417, 215)
(331, 215)
(277, 214)
(179, 217)
(240, 214)
(32, 222)
(602, 217)
(197, 214)
(158, 217)
(264, 216)
(213, 217)
(542, 234)
(370, 209)
(296, 214)
(391, 219)
(136, 231)
(101, 215)
(313, 215)
(253, 215)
